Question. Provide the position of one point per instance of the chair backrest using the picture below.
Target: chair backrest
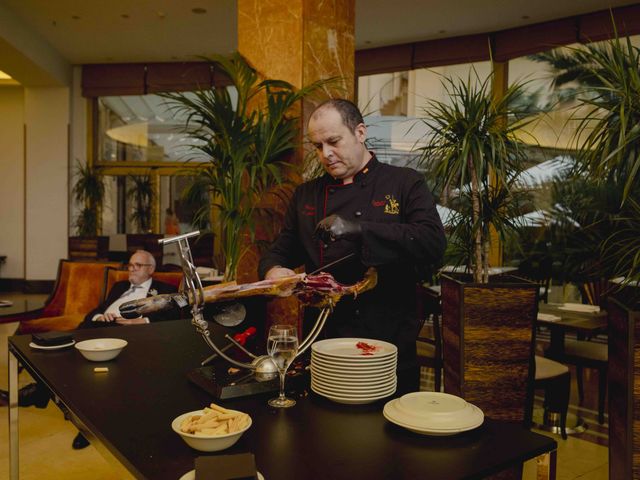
(113, 275)
(77, 289)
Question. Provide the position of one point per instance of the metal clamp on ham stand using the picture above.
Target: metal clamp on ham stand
(214, 379)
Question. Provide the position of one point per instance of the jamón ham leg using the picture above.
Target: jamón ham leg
(319, 290)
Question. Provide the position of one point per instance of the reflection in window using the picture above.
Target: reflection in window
(143, 128)
(392, 104)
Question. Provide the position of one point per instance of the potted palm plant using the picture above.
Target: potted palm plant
(248, 140)
(472, 145)
(89, 192)
(141, 193)
(608, 141)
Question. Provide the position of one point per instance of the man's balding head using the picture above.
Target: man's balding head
(141, 267)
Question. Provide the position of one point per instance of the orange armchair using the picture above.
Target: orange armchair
(77, 290)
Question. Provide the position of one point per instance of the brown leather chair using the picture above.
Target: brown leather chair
(429, 340)
(113, 275)
(77, 290)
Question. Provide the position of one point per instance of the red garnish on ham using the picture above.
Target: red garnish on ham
(366, 348)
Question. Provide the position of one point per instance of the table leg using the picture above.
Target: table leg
(546, 466)
(14, 464)
(556, 342)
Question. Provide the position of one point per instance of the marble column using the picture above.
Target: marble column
(299, 41)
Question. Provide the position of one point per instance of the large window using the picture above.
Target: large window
(393, 103)
(142, 128)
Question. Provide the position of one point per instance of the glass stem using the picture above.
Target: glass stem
(282, 374)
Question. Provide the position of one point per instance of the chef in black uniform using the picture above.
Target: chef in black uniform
(385, 214)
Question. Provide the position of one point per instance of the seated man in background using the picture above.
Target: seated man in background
(140, 285)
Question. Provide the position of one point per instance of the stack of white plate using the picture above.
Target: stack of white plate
(353, 370)
(433, 413)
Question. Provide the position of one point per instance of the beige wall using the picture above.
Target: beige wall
(47, 170)
(12, 181)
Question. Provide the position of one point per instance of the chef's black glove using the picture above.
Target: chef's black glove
(334, 227)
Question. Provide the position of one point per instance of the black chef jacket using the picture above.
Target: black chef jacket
(402, 235)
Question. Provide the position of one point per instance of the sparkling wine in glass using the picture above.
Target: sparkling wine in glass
(282, 347)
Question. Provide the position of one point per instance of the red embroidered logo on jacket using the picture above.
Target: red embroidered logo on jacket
(378, 203)
(308, 210)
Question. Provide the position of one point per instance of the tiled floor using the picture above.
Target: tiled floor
(46, 453)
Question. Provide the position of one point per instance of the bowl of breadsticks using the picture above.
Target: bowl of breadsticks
(212, 429)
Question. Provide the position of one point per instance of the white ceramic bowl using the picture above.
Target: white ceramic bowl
(209, 443)
(101, 349)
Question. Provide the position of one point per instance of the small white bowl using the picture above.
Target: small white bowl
(207, 443)
(101, 349)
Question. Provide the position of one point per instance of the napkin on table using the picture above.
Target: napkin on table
(547, 317)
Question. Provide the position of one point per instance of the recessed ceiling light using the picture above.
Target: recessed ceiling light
(75, 17)
(125, 15)
(199, 10)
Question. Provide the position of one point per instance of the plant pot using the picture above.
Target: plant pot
(89, 249)
(488, 333)
(623, 375)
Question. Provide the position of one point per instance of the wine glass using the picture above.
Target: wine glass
(282, 347)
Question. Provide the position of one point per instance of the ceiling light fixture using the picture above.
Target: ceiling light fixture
(199, 10)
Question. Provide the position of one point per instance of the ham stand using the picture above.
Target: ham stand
(215, 379)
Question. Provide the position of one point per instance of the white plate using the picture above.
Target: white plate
(351, 384)
(364, 360)
(579, 307)
(191, 475)
(434, 412)
(347, 391)
(349, 395)
(321, 367)
(350, 377)
(51, 347)
(352, 401)
(432, 431)
(351, 372)
(391, 361)
(346, 348)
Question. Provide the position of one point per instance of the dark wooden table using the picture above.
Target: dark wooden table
(130, 408)
(583, 323)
